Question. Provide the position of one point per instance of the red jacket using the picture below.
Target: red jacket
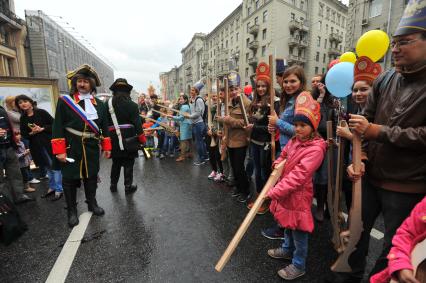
(292, 195)
(411, 232)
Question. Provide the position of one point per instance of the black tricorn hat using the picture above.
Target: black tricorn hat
(86, 71)
(121, 84)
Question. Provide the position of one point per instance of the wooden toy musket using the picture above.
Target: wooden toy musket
(168, 108)
(338, 220)
(209, 113)
(330, 183)
(355, 219)
(243, 109)
(218, 107)
(225, 127)
(272, 109)
(272, 180)
(164, 125)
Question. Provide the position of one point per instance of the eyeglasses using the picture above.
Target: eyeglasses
(402, 43)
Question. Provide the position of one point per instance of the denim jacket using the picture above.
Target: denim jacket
(285, 122)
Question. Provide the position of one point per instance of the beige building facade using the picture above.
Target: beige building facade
(376, 14)
(303, 32)
(13, 33)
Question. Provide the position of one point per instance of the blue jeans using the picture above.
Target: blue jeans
(262, 164)
(199, 131)
(296, 242)
(169, 144)
(55, 180)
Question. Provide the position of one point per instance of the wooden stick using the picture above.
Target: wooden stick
(272, 109)
(225, 127)
(273, 178)
(330, 179)
(243, 109)
(355, 219)
(209, 113)
(171, 109)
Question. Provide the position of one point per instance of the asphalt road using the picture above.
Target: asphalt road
(173, 229)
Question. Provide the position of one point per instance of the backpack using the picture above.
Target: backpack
(204, 112)
(11, 224)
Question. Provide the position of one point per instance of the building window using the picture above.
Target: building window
(237, 35)
(248, 27)
(323, 58)
(302, 5)
(317, 57)
(316, 70)
(319, 25)
(319, 41)
(226, 44)
(263, 50)
(248, 11)
(325, 43)
(247, 72)
(333, 18)
(321, 10)
(257, 4)
(247, 56)
(256, 20)
(265, 16)
(323, 70)
(292, 16)
(247, 42)
(328, 13)
(326, 28)
(376, 8)
(264, 34)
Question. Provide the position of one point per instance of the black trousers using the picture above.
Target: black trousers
(127, 163)
(395, 207)
(237, 157)
(214, 156)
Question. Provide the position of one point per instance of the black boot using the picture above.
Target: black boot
(70, 193)
(90, 192)
(115, 174)
(129, 188)
(113, 188)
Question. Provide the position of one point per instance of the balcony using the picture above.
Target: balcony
(335, 37)
(7, 16)
(8, 51)
(332, 51)
(222, 73)
(253, 61)
(204, 63)
(253, 45)
(296, 59)
(303, 43)
(304, 27)
(188, 73)
(254, 29)
(293, 41)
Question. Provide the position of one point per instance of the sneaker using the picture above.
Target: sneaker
(219, 177)
(279, 253)
(212, 175)
(180, 158)
(34, 181)
(198, 163)
(171, 155)
(273, 233)
(29, 190)
(235, 193)
(290, 272)
(162, 156)
(43, 177)
(263, 208)
(206, 159)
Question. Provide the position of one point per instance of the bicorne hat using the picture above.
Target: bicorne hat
(121, 84)
(414, 18)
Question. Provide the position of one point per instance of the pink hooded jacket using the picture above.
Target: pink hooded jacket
(292, 195)
(411, 232)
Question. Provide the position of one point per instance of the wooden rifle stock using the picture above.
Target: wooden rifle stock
(209, 113)
(225, 127)
(243, 109)
(272, 180)
(164, 125)
(355, 219)
(330, 179)
(272, 109)
(168, 108)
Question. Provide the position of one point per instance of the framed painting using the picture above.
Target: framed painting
(43, 91)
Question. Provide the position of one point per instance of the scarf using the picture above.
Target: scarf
(90, 110)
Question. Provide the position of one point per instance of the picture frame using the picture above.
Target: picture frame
(43, 91)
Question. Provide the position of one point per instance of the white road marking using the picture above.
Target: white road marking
(63, 263)
(376, 234)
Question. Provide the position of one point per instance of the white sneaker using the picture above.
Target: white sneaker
(212, 175)
(219, 177)
(34, 181)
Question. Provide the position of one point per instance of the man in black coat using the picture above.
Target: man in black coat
(124, 123)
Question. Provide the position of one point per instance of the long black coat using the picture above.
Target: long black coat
(40, 146)
(127, 113)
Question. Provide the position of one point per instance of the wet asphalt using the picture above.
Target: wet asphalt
(173, 229)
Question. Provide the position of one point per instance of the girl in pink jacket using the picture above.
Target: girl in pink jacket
(409, 234)
(292, 195)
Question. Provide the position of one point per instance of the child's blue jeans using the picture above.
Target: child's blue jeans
(296, 242)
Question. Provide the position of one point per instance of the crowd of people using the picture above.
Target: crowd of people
(235, 128)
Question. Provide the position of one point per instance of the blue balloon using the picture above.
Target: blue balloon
(340, 78)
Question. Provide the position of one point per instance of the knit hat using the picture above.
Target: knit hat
(307, 110)
(366, 70)
(262, 73)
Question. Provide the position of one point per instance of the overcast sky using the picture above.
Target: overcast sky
(140, 38)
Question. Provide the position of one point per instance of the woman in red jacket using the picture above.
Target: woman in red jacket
(292, 195)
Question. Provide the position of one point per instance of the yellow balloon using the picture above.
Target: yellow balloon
(373, 44)
(348, 57)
